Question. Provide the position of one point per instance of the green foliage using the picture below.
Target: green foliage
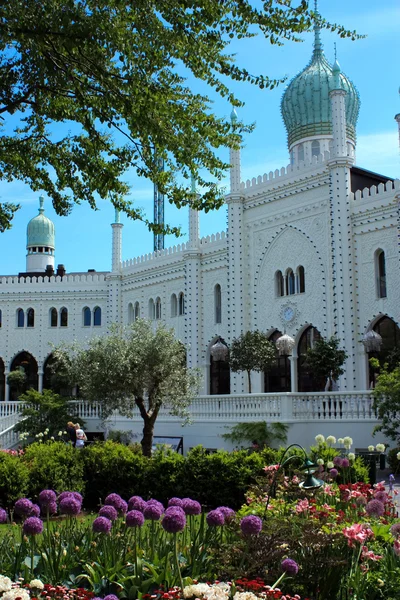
(14, 479)
(119, 436)
(43, 411)
(54, 465)
(393, 461)
(258, 434)
(325, 360)
(134, 368)
(110, 466)
(251, 351)
(387, 401)
(17, 379)
(97, 66)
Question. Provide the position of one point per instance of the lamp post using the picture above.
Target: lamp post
(219, 351)
(310, 482)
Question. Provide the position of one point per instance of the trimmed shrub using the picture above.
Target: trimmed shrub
(14, 479)
(393, 462)
(54, 465)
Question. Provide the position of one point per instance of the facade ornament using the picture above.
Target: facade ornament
(219, 351)
(372, 341)
(285, 344)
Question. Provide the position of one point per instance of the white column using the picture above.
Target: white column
(342, 271)
(116, 244)
(114, 304)
(40, 382)
(7, 387)
(192, 289)
(293, 370)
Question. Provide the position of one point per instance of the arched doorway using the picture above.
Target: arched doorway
(305, 380)
(28, 364)
(277, 378)
(2, 381)
(220, 375)
(55, 378)
(390, 349)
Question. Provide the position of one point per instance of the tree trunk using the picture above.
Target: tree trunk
(147, 439)
(249, 378)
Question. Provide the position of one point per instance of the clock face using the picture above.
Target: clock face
(288, 313)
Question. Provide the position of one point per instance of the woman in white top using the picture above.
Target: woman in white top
(80, 436)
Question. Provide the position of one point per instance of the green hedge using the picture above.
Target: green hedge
(14, 479)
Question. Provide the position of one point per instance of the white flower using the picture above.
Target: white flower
(5, 584)
(320, 439)
(52, 438)
(37, 584)
(37, 435)
(372, 448)
(40, 435)
(351, 456)
(331, 439)
(245, 596)
(16, 593)
(347, 442)
(320, 461)
(64, 433)
(60, 433)
(398, 456)
(380, 447)
(330, 465)
(340, 441)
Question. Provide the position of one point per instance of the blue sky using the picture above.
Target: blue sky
(83, 239)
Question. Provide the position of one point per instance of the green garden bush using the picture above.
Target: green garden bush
(393, 461)
(14, 479)
(56, 465)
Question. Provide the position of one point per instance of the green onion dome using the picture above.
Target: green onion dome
(306, 106)
(40, 230)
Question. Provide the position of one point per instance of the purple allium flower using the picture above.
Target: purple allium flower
(134, 518)
(215, 518)
(109, 512)
(394, 530)
(101, 525)
(35, 512)
(117, 502)
(77, 496)
(111, 597)
(70, 506)
(136, 503)
(191, 507)
(251, 525)
(3, 516)
(23, 507)
(153, 512)
(345, 463)
(381, 496)
(228, 513)
(175, 502)
(97, 598)
(334, 473)
(375, 508)
(361, 500)
(174, 520)
(32, 526)
(64, 495)
(337, 461)
(46, 497)
(290, 566)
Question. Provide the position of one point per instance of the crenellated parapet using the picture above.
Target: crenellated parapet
(383, 190)
(25, 283)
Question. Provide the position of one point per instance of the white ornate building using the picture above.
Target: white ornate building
(312, 249)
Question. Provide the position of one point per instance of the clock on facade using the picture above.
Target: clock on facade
(288, 313)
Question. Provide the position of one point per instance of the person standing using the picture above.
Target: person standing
(80, 436)
(71, 433)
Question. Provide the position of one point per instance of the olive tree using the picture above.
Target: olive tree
(251, 351)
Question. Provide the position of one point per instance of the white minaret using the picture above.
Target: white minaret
(40, 242)
(234, 297)
(116, 243)
(343, 282)
(192, 287)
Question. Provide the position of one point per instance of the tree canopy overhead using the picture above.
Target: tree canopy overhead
(91, 88)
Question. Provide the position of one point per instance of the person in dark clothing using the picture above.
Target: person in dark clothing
(71, 433)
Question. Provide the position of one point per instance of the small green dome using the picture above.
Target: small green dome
(40, 230)
(306, 106)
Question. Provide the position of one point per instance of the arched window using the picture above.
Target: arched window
(181, 304)
(292, 157)
(131, 316)
(315, 148)
(305, 379)
(301, 285)
(87, 317)
(330, 146)
(380, 268)
(136, 311)
(64, 317)
(30, 317)
(174, 305)
(158, 308)
(0, 318)
(218, 303)
(20, 318)
(97, 317)
(152, 309)
(220, 376)
(300, 153)
(279, 284)
(290, 287)
(53, 317)
(390, 350)
(27, 363)
(277, 378)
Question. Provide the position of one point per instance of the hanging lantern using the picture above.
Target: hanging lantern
(372, 341)
(219, 351)
(285, 344)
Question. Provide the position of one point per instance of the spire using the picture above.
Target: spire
(317, 33)
(234, 116)
(193, 184)
(336, 75)
(41, 205)
(117, 216)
